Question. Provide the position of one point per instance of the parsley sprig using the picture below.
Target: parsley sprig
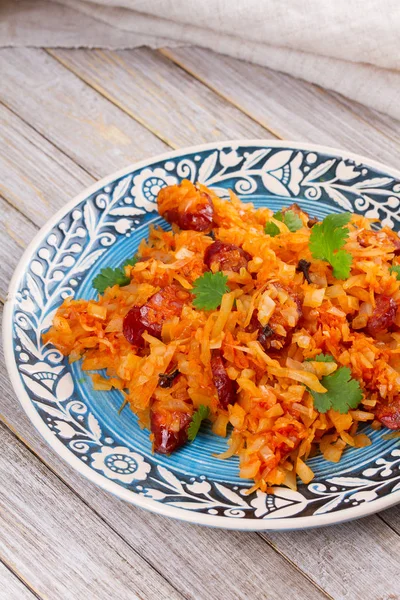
(202, 413)
(109, 276)
(272, 229)
(289, 218)
(395, 269)
(209, 289)
(325, 358)
(343, 392)
(327, 240)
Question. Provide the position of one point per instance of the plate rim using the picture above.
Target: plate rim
(224, 522)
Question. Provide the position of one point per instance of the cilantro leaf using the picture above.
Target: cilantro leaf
(209, 289)
(109, 276)
(343, 392)
(326, 241)
(271, 229)
(341, 264)
(292, 221)
(130, 261)
(326, 358)
(395, 269)
(199, 416)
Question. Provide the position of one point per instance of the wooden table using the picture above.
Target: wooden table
(69, 117)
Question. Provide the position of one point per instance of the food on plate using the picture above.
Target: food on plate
(281, 330)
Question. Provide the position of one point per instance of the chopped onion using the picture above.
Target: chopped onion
(183, 253)
(114, 325)
(97, 311)
(361, 440)
(347, 438)
(223, 314)
(237, 416)
(336, 312)
(304, 471)
(334, 291)
(250, 469)
(220, 424)
(234, 445)
(391, 436)
(309, 379)
(274, 411)
(360, 321)
(266, 307)
(303, 341)
(303, 409)
(255, 444)
(266, 453)
(361, 415)
(313, 296)
(332, 454)
(366, 308)
(341, 421)
(290, 480)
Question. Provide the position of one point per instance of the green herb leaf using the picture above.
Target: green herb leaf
(199, 416)
(271, 229)
(395, 269)
(325, 358)
(343, 392)
(326, 240)
(292, 221)
(109, 277)
(209, 289)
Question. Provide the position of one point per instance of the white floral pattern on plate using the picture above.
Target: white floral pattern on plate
(120, 463)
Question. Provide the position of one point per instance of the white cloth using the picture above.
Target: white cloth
(350, 46)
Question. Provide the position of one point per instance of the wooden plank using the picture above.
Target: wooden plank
(174, 105)
(35, 176)
(386, 124)
(344, 562)
(291, 108)
(57, 543)
(11, 587)
(392, 518)
(91, 130)
(16, 231)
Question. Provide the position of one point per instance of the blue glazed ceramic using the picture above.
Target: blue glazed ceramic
(103, 226)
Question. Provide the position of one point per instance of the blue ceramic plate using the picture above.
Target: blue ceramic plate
(103, 226)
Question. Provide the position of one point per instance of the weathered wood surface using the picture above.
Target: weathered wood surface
(168, 101)
(144, 94)
(14, 587)
(52, 543)
(291, 108)
(92, 131)
(25, 157)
